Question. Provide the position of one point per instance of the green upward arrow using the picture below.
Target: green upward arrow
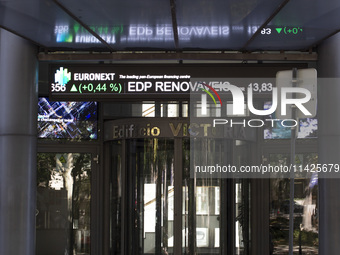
(278, 30)
(74, 88)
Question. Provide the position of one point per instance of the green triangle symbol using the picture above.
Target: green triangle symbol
(278, 30)
(74, 88)
(76, 27)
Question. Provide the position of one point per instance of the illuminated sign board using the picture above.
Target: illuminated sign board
(145, 81)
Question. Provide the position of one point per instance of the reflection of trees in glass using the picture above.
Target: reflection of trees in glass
(45, 164)
(308, 128)
(82, 187)
(202, 220)
(154, 167)
(189, 200)
(280, 186)
(243, 216)
(63, 198)
(81, 198)
(305, 204)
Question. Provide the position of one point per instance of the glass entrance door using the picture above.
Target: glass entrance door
(149, 196)
(201, 208)
(156, 207)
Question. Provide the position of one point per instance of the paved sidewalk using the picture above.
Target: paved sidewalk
(306, 250)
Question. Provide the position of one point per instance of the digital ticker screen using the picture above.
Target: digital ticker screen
(105, 81)
(114, 82)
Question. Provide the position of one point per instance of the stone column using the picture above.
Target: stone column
(18, 116)
(329, 145)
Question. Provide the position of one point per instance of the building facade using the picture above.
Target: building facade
(111, 174)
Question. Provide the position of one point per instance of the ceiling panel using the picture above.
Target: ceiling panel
(221, 24)
(299, 25)
(106, 25)
(42, 22)
(129, 24)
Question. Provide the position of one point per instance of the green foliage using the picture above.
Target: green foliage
(308, 238)
(45, 163)
(279, 228)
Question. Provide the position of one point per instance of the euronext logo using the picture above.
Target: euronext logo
(62, 76)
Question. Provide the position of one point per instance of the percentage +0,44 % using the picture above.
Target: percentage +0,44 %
(99, 88)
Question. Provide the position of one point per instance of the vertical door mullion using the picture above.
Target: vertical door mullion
(231, 216)
(223, 217)
(178, 195)
(104, 181)
(192, 205)
(158, 167)
(124, 226)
